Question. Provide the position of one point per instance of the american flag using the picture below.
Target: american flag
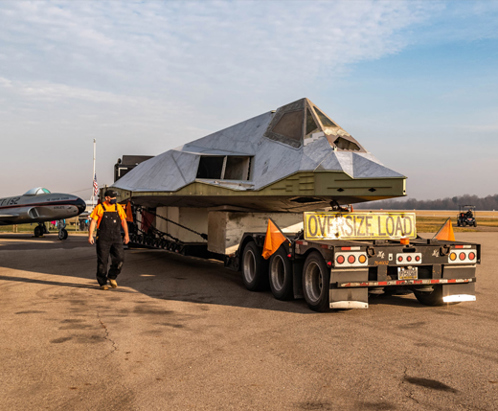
(95, 186)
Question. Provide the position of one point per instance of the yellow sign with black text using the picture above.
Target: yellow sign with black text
(359, 226)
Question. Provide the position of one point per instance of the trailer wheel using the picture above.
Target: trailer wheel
(433, 298)
(281, 283)
(254, 267)
(316, 282)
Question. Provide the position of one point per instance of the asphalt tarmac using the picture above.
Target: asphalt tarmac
(181, 333)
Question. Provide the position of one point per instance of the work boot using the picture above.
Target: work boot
(113, 282)
(104, 287)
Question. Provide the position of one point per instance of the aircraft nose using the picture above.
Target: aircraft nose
(80, 203)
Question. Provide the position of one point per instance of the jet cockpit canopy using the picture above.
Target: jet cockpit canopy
(36, 191)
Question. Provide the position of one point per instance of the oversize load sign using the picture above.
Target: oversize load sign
(358, 226)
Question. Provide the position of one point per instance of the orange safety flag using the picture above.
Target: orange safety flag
(445, 233)
(273, 239)
(129, 214)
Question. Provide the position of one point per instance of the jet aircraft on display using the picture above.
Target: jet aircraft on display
(291, 159)
(39, 205)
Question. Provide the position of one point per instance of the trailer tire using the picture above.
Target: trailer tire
(254, 267)
(280, 276)
(432, 299)
(316, 277)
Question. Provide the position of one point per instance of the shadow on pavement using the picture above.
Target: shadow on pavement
(155, 273)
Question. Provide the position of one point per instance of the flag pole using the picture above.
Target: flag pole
(93, 175)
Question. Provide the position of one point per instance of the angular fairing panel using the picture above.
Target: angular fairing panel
(367, 168)
(239, 138)
(168, 171)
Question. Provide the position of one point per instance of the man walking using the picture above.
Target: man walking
(109, 217)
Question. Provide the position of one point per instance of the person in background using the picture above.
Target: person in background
(109, 217)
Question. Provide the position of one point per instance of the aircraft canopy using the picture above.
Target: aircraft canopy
(36, 191)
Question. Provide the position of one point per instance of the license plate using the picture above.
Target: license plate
(407, 273)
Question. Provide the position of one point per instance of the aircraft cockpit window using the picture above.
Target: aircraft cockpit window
(310, 122)
(225, 167)
(290, 125)
(326, 122)
(36, 191)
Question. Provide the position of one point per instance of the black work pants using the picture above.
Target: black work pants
(114, 248)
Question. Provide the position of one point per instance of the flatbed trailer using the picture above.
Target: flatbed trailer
(341, 274)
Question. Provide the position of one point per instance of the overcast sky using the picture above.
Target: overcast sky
(416, 83)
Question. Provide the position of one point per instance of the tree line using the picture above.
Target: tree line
(482, 203)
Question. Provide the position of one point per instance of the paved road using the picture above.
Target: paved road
(183, 334)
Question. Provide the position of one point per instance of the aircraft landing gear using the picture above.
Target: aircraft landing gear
(62, 229)
(40, 229)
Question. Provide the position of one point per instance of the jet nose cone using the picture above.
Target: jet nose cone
(80, 203)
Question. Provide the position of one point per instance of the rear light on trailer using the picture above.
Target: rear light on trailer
(408, 258)
(351, 259)
(462, 256)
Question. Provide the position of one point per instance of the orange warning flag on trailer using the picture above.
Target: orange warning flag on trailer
(274, 238)
(445, 233)
(129, 214)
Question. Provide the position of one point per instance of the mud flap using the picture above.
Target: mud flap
(348, 297)
(459, 292)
